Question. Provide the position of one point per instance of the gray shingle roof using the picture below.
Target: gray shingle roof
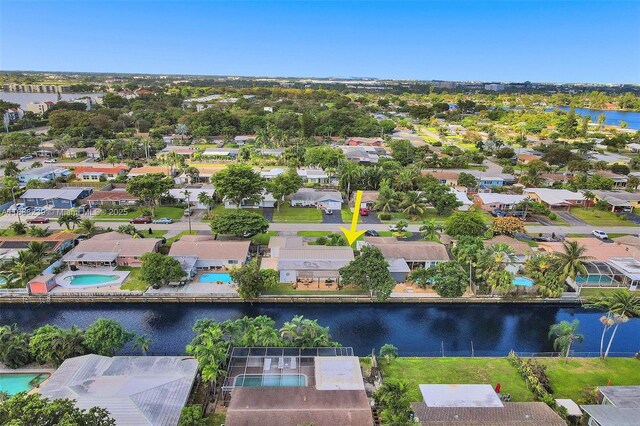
(512, 414)
(143, 390)
(49, 194)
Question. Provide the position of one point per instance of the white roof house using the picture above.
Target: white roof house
(136, 390)
(555, 197)
(500, 200)
(328, 199)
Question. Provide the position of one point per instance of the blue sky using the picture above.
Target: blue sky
(574, 41)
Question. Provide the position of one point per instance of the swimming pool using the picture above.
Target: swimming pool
(13, 383)
(272, 381)
(214, 277)
(90, 279)
(522, 281)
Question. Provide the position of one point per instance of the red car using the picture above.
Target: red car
(364, 212)
(38, 220)
(141, 219)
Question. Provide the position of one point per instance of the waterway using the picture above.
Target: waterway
(613, 118)
(25, 98)
(416, 329)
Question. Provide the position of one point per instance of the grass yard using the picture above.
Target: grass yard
(216, 419)
(263, 239)
(596, 291)
(174, 213)
(156, 233)
(570, 379)
(133, 282)
(600, 218)
(287, 289)
(346, 214)
(417, 371)
(177, 237)
(314, 234)
(288, 214)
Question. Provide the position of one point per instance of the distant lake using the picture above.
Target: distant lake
(25, 98)
(613, 117)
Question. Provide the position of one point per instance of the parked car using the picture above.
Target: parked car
(187, 212)
(498, 213)
(26, 158)
(600, 234)
(140, 219)
(50, 160)
(371, 233)
(163, 220)
(521, 214)
(38, 219)
(328, 211)
(364, 212)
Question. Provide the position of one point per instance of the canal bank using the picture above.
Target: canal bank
(442, 329)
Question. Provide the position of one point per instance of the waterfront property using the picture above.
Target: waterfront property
(522, 251)
(620, 406)
(292, 386)
(109, 250)
(96, 278)
(64, 198)
(13, 383)
(57, 242)
(211, 254)
(297, 261)
(136, 390)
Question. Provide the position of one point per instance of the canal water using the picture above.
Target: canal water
(416, 329)
(613, 118)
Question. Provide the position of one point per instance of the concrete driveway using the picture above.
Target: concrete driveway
(267, 213)
(371, 219)
(336, 217)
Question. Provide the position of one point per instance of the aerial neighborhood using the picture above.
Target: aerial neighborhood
(190, 250)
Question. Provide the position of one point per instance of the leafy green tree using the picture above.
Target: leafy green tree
(52, 345)
(369, 271)
(18, 228)
(324, 156)
(305, 333)
(285, 184)
(395, 403)
(142, 342)
(239, 223)
(209, 348)
(238, 183)
(463, 223)
(17, 144)
(429, 230)
(106, 337)
(449, 279)
(159, 270)
(564, 334)
(544, 270)
(402, 151)
(34, 409)
(192, 415)
(500, 280)
(11, 169)
(388, 352)
(149, 188)
(349, 174)
(14, 348)
(87, 226)
(111, 159)
(388, 200)
(467, 180)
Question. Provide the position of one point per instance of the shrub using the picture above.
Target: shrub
(553, 216)
(384, 216)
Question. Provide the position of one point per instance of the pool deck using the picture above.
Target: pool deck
(198, 289)
(62, 279)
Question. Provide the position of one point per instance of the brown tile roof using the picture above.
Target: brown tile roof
(596, 249)
(409, 250)
(442, 175)
(520, 248)
(298, 405)
(148, 170)
(53, 240)
(108, 170)
(111, 196)
(205, 247)
(114, 242)
(512, 414)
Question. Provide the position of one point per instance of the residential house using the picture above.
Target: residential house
(212, 254)
(551, 178)
(619, 181)
(111, 249)
(221, 153)
(521, 249)
(368, 200)
(620, 405)
(363, 154)
(634, 147)
(115, 196)
(184, 151)
(610, 158)
(87, 152)
(241, 140)
(328, 199)
(99, 172)
(193, 193)
(147, 170)
(135, 390)
(330, 390)
(295, 260)
(43, 174)
(316, 176)
(406, 256)
(444, 177)
(358, 141)
(618, 201)
(267, 201)
(493, 201)
(464, 404)
(205, 173)
(64, 198)
(463, 198)
(526, 158)
(57, 242)
(556, 198)
(487, 180)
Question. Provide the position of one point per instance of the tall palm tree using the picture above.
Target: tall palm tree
(620, 305)
(11, 169)
(350, 172)
(388, 201)
(413, 204)
(21, 269)
(571, 261)
(404, 181)
(69, 220)
(142, 342)
(429, 230)
(87, 226)
(589, 196)
(564, 334)
(38, 250)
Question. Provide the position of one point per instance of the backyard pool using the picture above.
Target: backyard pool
(90, 279)
(522, 281)
(13, 383)
(273, 381)
(214, 277)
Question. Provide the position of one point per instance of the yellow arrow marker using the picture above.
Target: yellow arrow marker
(353, 234)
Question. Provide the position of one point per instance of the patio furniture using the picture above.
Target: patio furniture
(281, 362)
(293, 364)
(267, 364)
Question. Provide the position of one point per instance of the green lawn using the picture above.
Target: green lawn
(133, 282)
(263, 239)
(174, 213)
(288, 214)
(570, 379)
(216, 419)
(314, 234)
(156, 233)
(599, 218)
(491, 371)
(287, 289)
(346, 214)
(596, 291)
(177, 237)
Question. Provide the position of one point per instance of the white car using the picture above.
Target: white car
(50, 160)
(600, 234)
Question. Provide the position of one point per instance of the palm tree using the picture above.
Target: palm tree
(495, 257)
(182, 129)
(564, 334)
(69, 220)
(11, 169)
(404, 181)
(620, 305)
(589, 196)
(387, 202)
(111, 159)
(207, 200)
(262, 137)
(413, 204)
(21, 269)
(349, 173)
(18, 228)
(142, 342)
(87, 226)
(429, 230)
(38, 250)
(571, 261)
(36, 231)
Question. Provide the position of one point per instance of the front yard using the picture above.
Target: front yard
(288, 214)
(599, 217)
